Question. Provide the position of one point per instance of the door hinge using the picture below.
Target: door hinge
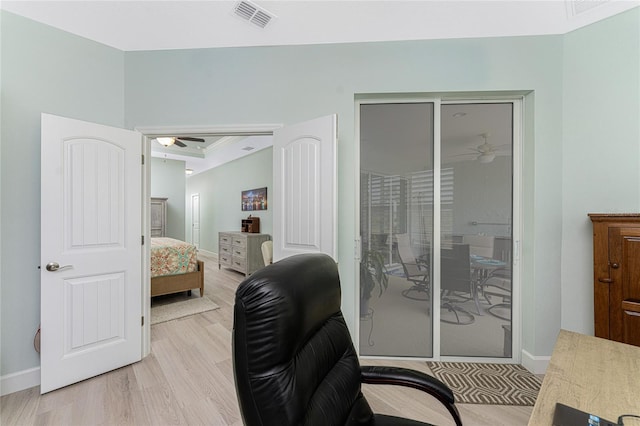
(142, 237)
(142, 321)
(143, 159)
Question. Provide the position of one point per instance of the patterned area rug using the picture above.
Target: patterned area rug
(499, 384)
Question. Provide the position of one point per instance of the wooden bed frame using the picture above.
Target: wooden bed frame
(176, 283)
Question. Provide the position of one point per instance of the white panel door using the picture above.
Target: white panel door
(91, 252)
(195, 220)
(304, 180)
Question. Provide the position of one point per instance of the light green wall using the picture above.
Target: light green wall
(296, 83)
(168, 180)
(601, 147)
(219, 191)
(46, 70)
(43, 70)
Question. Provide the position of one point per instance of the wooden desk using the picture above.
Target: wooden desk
(592, 374)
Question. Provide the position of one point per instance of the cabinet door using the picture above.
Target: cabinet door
(624, 290)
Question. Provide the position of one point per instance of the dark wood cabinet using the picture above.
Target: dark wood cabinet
(616, 276)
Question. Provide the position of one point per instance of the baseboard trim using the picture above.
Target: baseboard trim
(208, 253)
(21, 380)
(535, 364)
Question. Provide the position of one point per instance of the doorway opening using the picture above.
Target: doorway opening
(166, 176)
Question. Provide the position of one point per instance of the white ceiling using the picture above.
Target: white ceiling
(153, 25)
(215, 151)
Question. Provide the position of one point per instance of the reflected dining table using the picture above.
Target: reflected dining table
(481, 268)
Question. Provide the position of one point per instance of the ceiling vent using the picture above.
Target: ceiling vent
(253, 13)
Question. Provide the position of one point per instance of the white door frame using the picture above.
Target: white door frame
(149, 133)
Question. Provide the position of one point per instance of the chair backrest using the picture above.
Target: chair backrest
(407, 257)
(456, 268)
(293, 357)
(404, 248)
(267, 252)
(480, 245)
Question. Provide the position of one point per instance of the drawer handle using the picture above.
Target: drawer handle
(605, 280)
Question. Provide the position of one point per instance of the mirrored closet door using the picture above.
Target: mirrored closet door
(436, 260)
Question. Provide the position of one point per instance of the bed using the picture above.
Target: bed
(175, 267)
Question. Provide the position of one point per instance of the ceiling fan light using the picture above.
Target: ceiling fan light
(166, 141)
(486, 158)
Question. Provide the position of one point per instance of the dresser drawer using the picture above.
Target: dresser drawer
(224, 259)
(225, 249)
(239, 252)
(239, 241)
(157, 233)
(239, 264)
(225, 239)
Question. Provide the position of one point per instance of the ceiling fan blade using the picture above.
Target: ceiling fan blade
(180, 144)
(190, 139)
(468, 154)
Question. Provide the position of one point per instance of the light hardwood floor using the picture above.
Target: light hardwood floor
(188, 379)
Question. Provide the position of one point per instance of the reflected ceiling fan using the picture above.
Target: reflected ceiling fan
(486, 152)
(167, 141)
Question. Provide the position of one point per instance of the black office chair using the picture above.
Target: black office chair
(293, 358)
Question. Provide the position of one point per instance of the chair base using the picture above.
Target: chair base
(499, 305)
(418, 289)
(465, 319)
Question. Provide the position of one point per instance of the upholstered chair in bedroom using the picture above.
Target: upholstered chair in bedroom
(293, 358)
(267, 252)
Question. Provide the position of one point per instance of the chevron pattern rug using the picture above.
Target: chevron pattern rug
(498, 384)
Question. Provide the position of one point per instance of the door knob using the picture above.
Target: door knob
(55, 266)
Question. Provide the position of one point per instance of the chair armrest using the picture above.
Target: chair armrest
(398, 376)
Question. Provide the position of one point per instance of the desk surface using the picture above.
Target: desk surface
(592, 374)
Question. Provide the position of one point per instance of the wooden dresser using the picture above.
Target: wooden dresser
(241, 251)
(158, 217)
(616, 276)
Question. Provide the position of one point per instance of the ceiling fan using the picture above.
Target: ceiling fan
(167, 141)
(486, 152)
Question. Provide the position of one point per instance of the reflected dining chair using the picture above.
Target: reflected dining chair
(498, 284)
(456, 284)
(415, 271)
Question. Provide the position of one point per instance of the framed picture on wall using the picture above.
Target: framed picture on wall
(254, 199)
